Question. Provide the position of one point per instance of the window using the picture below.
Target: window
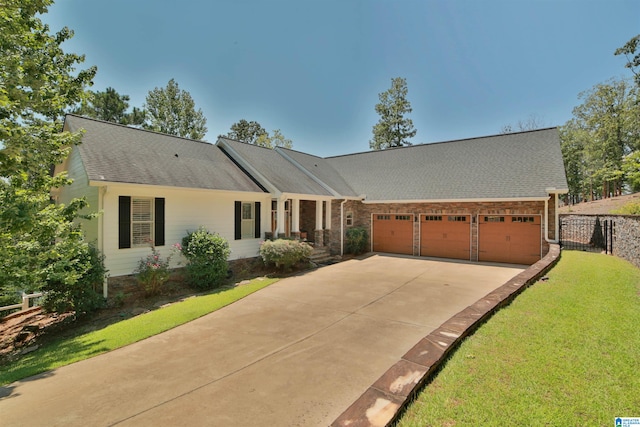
(247, 220)
(433, 218)
(404, 218)
(349, 219)
(383, 217)
(522, 219)
(456, 218)
(140, 221)
(493, 219)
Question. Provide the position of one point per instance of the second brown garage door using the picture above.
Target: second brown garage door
(393, 233)
(445, 236)
(514, 239)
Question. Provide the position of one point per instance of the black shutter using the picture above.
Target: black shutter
(159, 221)
(257, 220)
(238, 221)
(124, 222)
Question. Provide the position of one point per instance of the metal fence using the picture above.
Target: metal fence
(587, 233)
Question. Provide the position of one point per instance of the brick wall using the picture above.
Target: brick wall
(362, 214)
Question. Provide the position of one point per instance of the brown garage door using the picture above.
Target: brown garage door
(393, 233)
(445, 236)
(514, 239)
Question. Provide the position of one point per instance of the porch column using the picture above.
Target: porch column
(327, 222)
(295, 218)
(280, 226)
(295, 215)
(319, 233)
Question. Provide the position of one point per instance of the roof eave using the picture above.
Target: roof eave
(475, 200)
(100, 183)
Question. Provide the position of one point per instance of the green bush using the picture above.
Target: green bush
(356, 240)
(631, 208)
(153, 272)
(284, 253)
(206, 255)
(82, 295)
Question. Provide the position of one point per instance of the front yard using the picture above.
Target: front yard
(565, 352)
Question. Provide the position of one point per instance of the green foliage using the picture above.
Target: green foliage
(67, 350)
(153, 272)
(83, 296)
(171, 110)
(206, 255)
(631, 169)
(604, 130)
(563, 353)
(356, 240)
(246, 131)
(253, 133)
(284, 253)
(110, 106)
(631, 50)
(393, 129)
(628, 209)
(40, 246)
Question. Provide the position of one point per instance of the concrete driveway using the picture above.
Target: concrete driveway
(297, 353)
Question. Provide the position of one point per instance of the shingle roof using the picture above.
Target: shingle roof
(511, 166)
(322, 170)
(277, 170)
(519, 165)
(116, 153)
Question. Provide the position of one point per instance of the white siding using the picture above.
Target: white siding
(80, 188)
(185, 210)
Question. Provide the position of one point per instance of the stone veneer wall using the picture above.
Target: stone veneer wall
(363, 212)
(626, 235)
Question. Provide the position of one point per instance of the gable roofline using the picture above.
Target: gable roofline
(239, 161)
(304, 170)
(112, 152)
(136, 129)
(408, 147)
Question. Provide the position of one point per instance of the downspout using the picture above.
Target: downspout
(342, 226)
(102, 191)
(546, 219)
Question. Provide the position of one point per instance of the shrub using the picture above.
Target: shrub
(356, 240)
(628, 209)
(153, 272)
(82, 295)
(283, 253)
(207, 255)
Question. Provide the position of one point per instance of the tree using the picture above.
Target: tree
(110, 106)
(605, 129)
(172, 110)
(253, 133)
(393, 129)
(533, 122)
(631, 50)
(41, 247)
(245, 131)
(275, 140)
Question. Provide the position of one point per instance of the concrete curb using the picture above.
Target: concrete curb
(385, 399)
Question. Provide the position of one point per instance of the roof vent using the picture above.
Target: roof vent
(176, 154)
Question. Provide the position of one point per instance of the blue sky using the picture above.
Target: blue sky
(314, 69)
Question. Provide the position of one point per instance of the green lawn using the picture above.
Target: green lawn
(66, 351)
(566, 352)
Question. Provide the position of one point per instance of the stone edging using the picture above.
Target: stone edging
(389, 395)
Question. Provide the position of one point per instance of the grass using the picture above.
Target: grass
(565, 352)
(66, 351)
